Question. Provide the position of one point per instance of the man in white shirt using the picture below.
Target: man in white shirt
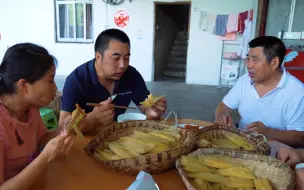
(269, 99)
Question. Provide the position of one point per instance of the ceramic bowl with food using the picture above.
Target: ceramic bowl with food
(131, 117)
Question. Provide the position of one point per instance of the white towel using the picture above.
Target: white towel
(203, 23)
(207, 21)
(211, 22)
(245, 40)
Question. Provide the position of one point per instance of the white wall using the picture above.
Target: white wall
(33, 21)
(205, 50)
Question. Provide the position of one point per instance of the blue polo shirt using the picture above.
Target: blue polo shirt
(282, 108)
(82, 86)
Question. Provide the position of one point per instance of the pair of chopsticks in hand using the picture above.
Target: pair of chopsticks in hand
(113, 97)
(122, 107)
(77, 116)
(69, 130)
(72, 122)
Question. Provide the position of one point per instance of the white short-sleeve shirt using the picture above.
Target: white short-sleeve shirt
(282, 108)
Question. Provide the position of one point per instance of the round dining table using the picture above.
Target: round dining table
(78, 171)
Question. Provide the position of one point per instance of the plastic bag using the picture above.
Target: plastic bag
(144, 181)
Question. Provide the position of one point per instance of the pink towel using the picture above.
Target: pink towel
(232, 24)
(230, 55)
(228, 37)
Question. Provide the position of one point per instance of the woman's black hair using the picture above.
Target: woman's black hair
(24, 61)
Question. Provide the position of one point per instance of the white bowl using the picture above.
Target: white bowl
(130, 117)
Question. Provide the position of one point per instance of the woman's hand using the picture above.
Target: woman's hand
(60, 144)
(63, 143)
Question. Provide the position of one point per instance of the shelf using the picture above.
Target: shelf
(232, 43)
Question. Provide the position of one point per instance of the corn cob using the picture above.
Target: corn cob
(105, 155)
(262, 184)
(146, 136)
(120, 151)
(237, 172)
(201, 184)
(216, 186)
(116, 157)
(236, 139)
(164, 136)
(171, 132)
(218, 162)
(224, 187)
(193, 165)
(77, 116)
(136, 145)
(225, 143)
(148, 102)
(159, 147)
(210, 177)
(235, 182)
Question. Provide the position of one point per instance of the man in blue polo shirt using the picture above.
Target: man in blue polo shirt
(107, 74)
(269, 99)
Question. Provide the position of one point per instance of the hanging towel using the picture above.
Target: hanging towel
(245, 40)
(228, 37)
(232, 24)
(251, 15)
(203, 24)
(241, 23)
(220, 25)
(211, 17)
(207, 21)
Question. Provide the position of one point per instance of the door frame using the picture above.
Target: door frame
(154, 28)
(261, 17)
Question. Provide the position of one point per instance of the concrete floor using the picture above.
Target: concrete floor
(188, 101)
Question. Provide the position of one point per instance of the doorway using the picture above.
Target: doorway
(171, 31)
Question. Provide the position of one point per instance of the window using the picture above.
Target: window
(74, 21)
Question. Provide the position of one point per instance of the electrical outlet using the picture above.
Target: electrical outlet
(296, 35)
(302, 36)
(291, 35)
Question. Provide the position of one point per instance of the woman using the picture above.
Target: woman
(293, 157)
(26, 84)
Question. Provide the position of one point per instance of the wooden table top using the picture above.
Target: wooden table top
(79, 171)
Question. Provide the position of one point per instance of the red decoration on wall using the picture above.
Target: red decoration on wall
(121, 18)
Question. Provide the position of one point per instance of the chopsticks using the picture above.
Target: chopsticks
(77, 117)
(122, 107)
(69, 130)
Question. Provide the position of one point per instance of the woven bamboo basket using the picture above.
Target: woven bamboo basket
(151, 163)
(217, 131)
(55, 104)
(280, 174)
